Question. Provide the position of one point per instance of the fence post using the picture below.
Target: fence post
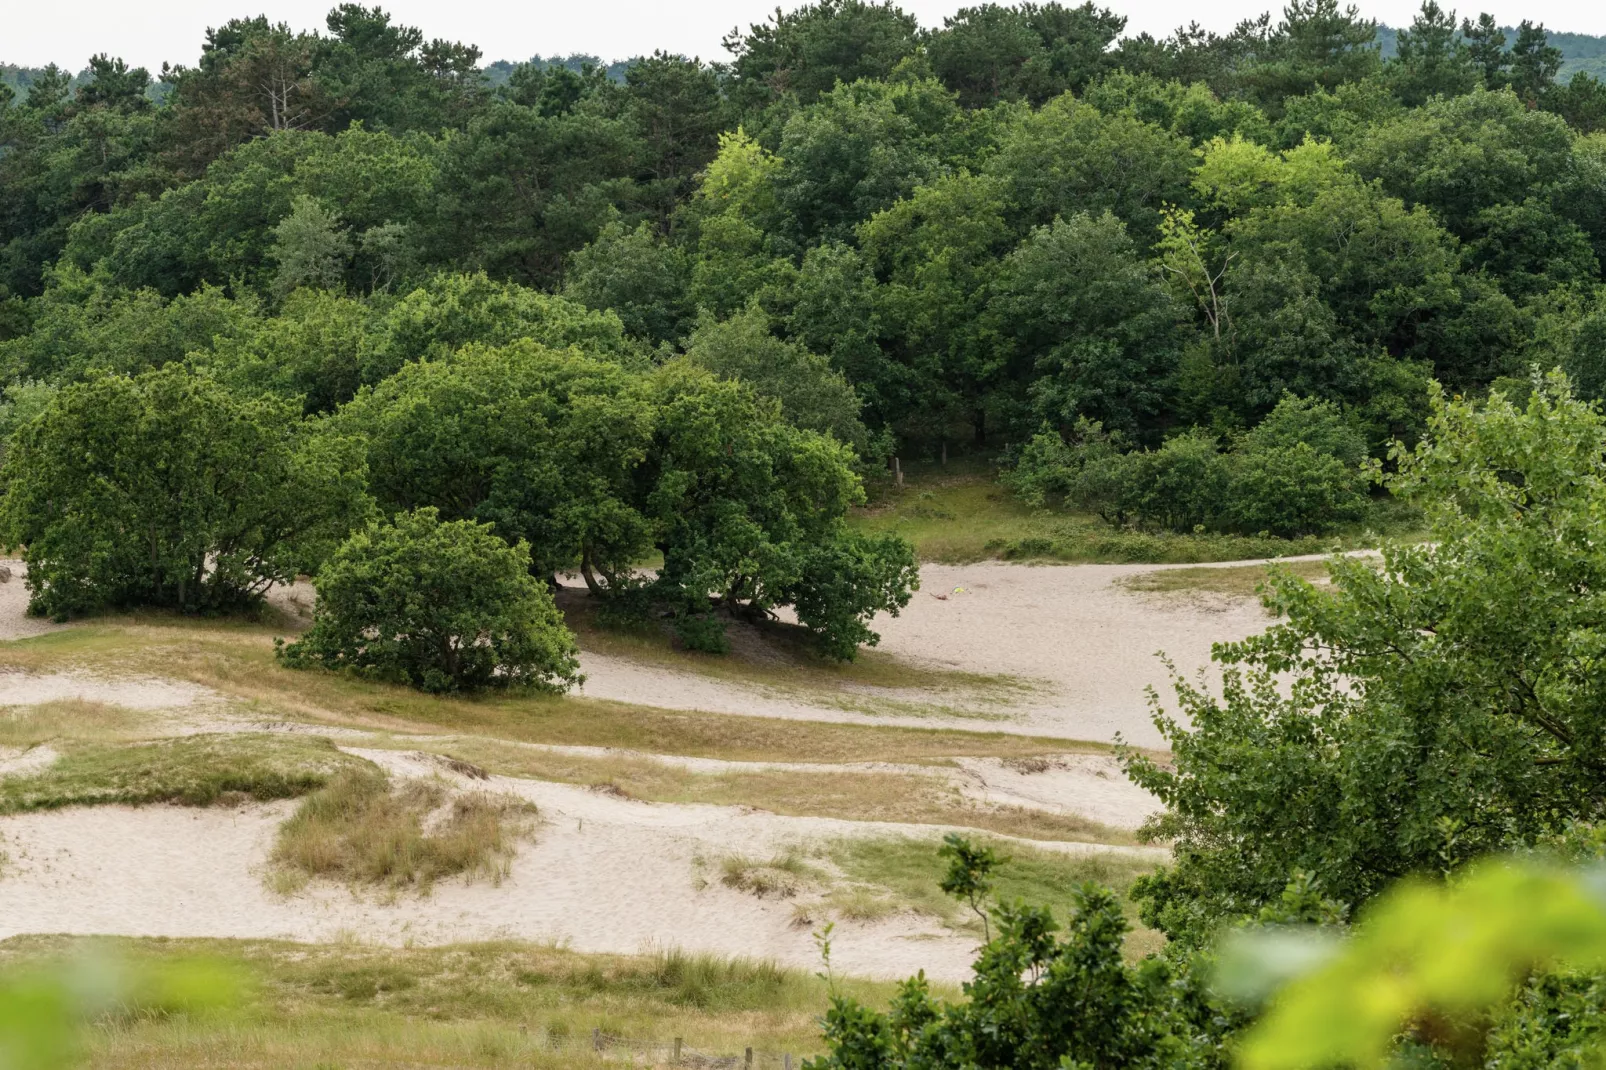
(786, 1061)
(596, 1040)
(748, 1061)
(677, 1051)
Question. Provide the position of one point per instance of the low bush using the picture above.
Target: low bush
(1296, 474)
(442, 606)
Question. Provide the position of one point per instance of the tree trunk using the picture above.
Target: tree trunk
(591, 580)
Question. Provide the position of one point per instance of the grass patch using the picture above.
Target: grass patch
(362, 829)
(191, 771)
(780, 877)
(901, 873)
(1242, 582)
(75, 719)
(481, 1005)
(236, 660)
(958, 515)
(854, 795)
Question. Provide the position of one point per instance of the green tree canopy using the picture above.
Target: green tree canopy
(438, 605)
(166, 490)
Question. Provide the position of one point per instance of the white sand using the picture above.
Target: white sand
(129, 692)
(604, 874)
(16, 761)
(1093, 645)
(14, 620)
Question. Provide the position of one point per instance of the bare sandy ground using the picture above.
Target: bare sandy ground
(604, 875)
(14, 620)
(1091, 646)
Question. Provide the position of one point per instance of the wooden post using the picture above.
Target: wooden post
(677, 1049)
(596, 1040)
(897, 470)
(786, 1061)
(748, 1061)
(945, 451)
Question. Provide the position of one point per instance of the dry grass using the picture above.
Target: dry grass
(781, 877)
(849, 794)
(67, 719)
(1246, 581)
(191, 771)
(483, 1005)
(362, 829)
(236, 659)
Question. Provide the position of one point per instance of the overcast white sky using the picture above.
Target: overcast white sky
(148, 32)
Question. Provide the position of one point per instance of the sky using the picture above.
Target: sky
(148, 32)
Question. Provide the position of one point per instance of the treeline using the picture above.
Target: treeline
(1017, 220)
(989, 236)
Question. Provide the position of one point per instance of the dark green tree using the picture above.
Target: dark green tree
(166, 490)
(437, 605)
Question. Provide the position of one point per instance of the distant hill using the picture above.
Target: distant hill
(1581, 52)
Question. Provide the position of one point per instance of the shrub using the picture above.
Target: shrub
(166, 490)
(1414, 716)
(1295, 474)
(1292, 490)
(442, 606)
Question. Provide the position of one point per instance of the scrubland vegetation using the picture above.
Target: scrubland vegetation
(737, 346)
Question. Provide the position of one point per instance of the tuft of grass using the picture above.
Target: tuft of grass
(76, 719)
(191, 771)
(362, 829)
(781, 877)
(902, 873)
(472, 1005)
(960, 514)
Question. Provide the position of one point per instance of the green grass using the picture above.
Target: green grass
(191, 771)
(363, 829)
(960, 514)
(900, 873)
(480, 1005)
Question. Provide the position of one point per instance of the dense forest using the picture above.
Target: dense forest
(1019, 220)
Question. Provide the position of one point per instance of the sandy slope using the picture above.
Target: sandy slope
(604, 874)
(1092, 645)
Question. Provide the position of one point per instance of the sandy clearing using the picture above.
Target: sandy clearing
(604, 874)
(17, 761)
(14, 620)
(129, 692)
(1092, 644)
